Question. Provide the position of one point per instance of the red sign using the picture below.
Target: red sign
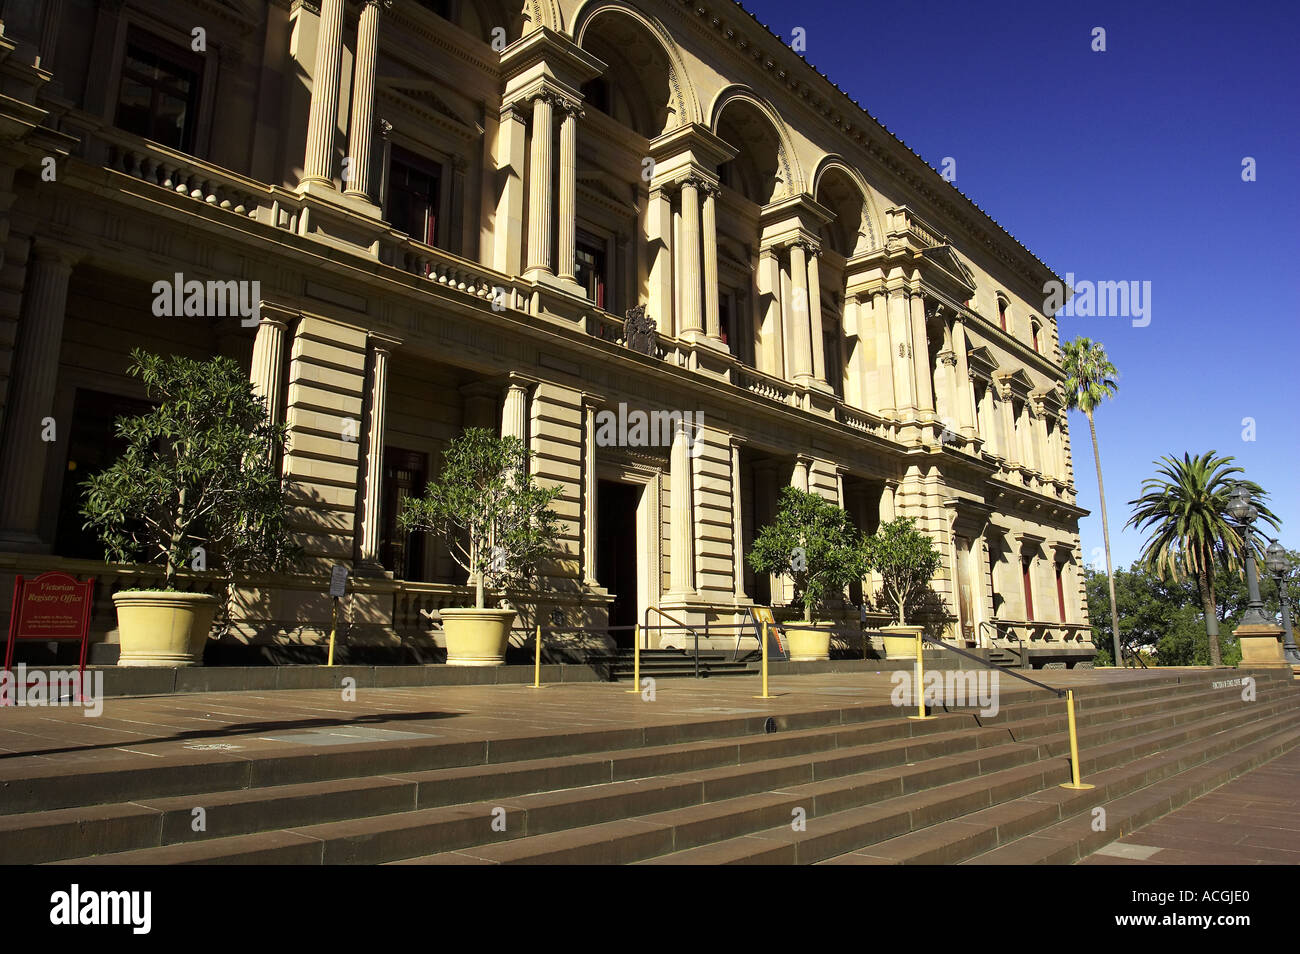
(51, 607)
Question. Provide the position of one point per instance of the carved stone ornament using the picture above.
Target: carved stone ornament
(639, 331)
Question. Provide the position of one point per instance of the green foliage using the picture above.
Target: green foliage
(906, 559)
(495, 518)
(199, 470)
(1184, 510)
(811, 541)
(1089, 374)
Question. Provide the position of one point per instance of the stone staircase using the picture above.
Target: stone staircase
(871, 786)
(667, 663)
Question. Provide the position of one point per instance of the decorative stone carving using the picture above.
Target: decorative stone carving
(639, 331)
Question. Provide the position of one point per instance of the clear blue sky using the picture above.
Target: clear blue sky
(1122, 165)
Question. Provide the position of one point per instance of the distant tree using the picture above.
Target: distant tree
(1090, 378)
(1184, 510)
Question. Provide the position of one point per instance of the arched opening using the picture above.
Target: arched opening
(755, 173)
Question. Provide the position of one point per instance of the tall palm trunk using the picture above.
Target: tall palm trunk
(1105, 536)
(1205, 583)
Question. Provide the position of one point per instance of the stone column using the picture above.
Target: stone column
(568, 235)
(682, 571)
(799, 478)
(659, 248)
(539, 190)
(799, 340)
(900, 355)
(318, 160)
(361, 125)
(988, 422)
(590, 407)
(1010, 447)
(690, 260)
(921, 358)
(32, 382)
(887, 510)
(514, 408)
(966, 388)
(712, 321)
(815, 315)
(50, 34)
(771, 330)
(737, 523)
(1042, 452)
(267, 371)
(368, 550)
(511, 143)
(885, 393)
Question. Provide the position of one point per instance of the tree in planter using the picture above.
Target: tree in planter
(496, 520)
(811, 541)
(198, 480)
(906, 560)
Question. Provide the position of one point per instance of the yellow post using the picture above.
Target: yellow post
(1074, 747)
(334, 625)
(636, 658)
(763, 638)
(537, 660)
(920, 680)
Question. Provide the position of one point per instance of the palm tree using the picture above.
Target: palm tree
(1186, 508)
(1090, 379)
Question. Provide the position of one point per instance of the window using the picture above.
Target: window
(1060, 590)
(591, 269)
(1026, 567)
(159, 94)
(1002, 313)
(405, 473)
(1035, 330)
(414, 188)
(441, 7)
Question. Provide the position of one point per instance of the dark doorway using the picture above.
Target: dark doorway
(616, 553)
(405, 474)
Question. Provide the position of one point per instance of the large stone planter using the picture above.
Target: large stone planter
(807, 644)
(900, 641)
(476, 637)
(162, 628)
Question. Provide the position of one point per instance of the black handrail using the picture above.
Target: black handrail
(680, 625)
(1059, 693)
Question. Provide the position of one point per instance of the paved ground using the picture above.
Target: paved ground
(1252, 820)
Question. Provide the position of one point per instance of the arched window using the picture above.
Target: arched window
(1002, 312)
(1036, 329)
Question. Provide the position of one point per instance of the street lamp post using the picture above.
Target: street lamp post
(1276, 562)
(1245, 512)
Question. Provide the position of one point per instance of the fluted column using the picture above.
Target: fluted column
(318, 160)
(381, 348)
(884, 396)
(712, 321)
(690, 260)
(900, 354)
(361, 125)
(1011, 446)
(682, 571)
(32, 381)
(267, 370)
(887, 504)
(771, 330)
(921, 357)
(568, 235)
(659, 250)
(815, 315)
(539, 190)
(514, 409)
(800, 342)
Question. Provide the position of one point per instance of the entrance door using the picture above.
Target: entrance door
(616, 552)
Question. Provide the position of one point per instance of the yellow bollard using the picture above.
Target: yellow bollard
(920, 682)
(765, 694)
(537, 661)
(1074, 747)
(334, 625)
(636, 658)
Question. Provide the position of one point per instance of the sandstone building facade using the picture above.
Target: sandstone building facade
(449, 208)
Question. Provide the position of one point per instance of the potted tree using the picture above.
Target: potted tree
(906, 559)
(197, 484)
(812, 542)
(498, 525)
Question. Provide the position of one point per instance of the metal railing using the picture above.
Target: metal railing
(680, 625)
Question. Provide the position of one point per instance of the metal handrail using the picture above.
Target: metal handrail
(1060, 693)
(680, 624)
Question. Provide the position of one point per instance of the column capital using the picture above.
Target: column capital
(382, 343)
(592, 400)
(381, 4)
(53, 251)
(522, 382)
